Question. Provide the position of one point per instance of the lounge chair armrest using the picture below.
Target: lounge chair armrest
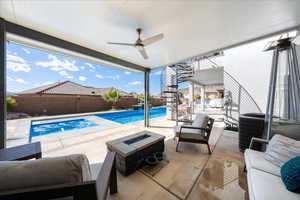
(258, 140)
(190, 127)
(193, 127)
(186, 121)
(107, 176)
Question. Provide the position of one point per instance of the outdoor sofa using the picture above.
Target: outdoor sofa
(263, 177)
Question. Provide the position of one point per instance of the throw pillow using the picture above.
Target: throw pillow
(290, 174)
(281, 149)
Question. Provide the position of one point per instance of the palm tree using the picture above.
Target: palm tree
(141, 98)
(112, 96)
(10, 103)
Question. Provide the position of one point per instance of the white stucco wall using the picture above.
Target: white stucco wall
(251, 67)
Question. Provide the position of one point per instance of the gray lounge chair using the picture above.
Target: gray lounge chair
(198, 132)
(56, 178)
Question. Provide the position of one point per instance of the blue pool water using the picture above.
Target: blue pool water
(55, 127)
(67, 125)
(132, 115)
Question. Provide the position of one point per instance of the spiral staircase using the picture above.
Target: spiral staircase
(242, 101)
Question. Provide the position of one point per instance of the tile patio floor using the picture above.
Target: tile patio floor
(191, 173)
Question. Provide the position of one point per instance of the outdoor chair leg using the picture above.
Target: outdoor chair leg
(177, 146)
(208, 148)
(113, 185)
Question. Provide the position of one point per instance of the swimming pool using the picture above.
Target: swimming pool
(38, 128)
(125, 117)
(60, 126)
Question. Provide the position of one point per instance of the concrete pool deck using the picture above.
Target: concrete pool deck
(18, 130)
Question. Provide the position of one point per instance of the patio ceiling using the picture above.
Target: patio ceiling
(190, 27)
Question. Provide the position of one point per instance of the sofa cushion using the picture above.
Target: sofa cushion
(281, 149)
(255, 159)
(263, 186)
(43, 172)
(290, 174)
(176, 130)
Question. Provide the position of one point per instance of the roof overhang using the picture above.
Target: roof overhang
(191, 28)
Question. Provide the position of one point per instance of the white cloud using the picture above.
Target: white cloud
(26, 50)
(21, 81)
(116, 77)
(45, 83)
(55, 62)
(16, 67)
(65, 74)
(15, 58)
(17, 63)
(56, 68)
(82, 67)
(90, 65)
(99, 76)
(157, 73)
(82, 78)
(9, 78)
(127, 72)
(135, 83)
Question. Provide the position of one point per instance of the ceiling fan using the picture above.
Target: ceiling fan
(140, 44)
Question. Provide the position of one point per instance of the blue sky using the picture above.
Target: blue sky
(28, 68)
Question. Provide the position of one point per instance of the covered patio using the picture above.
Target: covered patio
(186, 31)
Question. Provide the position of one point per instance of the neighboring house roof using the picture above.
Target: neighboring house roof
(10, 94)
(70, 88)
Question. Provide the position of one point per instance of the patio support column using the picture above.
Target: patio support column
(2, 84)
(146, 98)
(202, 98)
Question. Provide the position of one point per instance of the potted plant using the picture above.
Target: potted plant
(113, 96)
(197, 98)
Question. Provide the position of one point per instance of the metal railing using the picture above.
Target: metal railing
(243, 102)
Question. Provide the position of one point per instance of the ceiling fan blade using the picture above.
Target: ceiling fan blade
(143, 52)
(119, 43)
(152, 39)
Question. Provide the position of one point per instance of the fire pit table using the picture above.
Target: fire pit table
(131, 151)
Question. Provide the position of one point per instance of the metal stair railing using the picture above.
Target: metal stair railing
(243, 102)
